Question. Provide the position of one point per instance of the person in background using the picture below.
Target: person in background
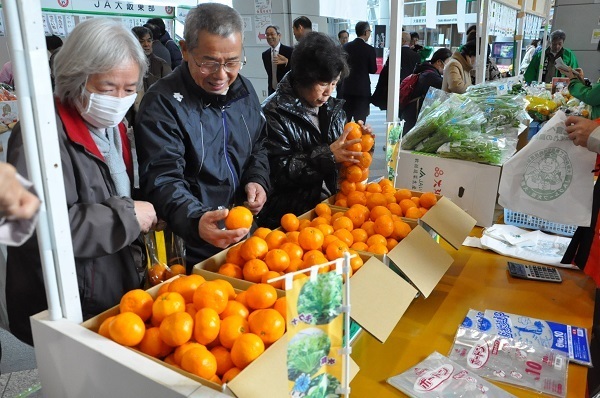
(301, 26)
(414, 42)
(529, 51)
(53, 44)
(200, 136)
(18, 207)
(277, 58)
(96, 83)
(362, 62)
(165, 39)
(343, 37)
(157, 68)
(158, 48)
(555, 51)
(409, 59)
(590, 94)
(457, 70)
(491, 69)
(6, 74)
(430, 75)
(306, 138)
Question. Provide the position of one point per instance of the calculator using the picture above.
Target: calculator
(534, 272)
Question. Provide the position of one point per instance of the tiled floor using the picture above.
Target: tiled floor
(19, 370)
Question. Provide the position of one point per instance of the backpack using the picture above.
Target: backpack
(406, 88)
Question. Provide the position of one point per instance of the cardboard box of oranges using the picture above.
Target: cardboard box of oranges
(264, 375)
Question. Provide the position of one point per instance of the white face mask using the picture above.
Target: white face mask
(102, 110)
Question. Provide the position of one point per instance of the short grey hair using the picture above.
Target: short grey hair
(96, 45)
(214, 18)
(558, 35)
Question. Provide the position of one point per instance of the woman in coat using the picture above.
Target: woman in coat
(306, 140)
(457, 71)
(96, 83)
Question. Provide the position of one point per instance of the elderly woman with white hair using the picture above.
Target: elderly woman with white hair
(96, 83)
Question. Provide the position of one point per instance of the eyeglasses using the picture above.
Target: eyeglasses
(369, 30)
(210, 67)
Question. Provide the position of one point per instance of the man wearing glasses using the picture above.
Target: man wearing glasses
(357, 86)
(199, 136)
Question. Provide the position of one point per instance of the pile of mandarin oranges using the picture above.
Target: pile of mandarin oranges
(203, 327)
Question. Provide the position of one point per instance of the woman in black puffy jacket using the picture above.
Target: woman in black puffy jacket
(305, 130)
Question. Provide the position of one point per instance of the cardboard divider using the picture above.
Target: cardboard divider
(450, 222)
(421, 259)
(377, 307)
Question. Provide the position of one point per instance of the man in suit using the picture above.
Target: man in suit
(301, 26)
(357, 86)
(409, 58)
(277, 59)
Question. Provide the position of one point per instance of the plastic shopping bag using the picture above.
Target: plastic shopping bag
(550, 177)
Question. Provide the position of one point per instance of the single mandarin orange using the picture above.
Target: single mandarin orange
(137, 301)
(367, 142)
(322, 209)
(275, 239)
(261, 232)
(230, 375)
(290, 222)
(233, 255)
(268, 324)
(103, 329)
(200, 362)
(428, 200)
(231, 270)
(177, 329)
(254, 247)
(260, 296)
(211, 294)
(239, 217)
(253, 270)
(127, 329)
(311, 238)
(165, 305)
(206, 326)
(232, 327)
(246, 349)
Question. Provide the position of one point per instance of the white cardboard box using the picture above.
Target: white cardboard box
(472, 186)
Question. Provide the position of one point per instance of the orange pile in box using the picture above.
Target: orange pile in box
(400, 202)
(200, 326)
(301, 244)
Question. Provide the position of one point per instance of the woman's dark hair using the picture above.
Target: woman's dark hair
(318, 59)
(161, 25)
(441, 55)
(155, 30)
(535, 42)
(469, 49)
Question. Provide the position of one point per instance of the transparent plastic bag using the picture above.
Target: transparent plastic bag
(438, 376)
(434, 98)
(453, 120)
(484, 148)
(166, 256)
(526, 365)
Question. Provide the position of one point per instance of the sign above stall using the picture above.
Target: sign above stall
(109, 7)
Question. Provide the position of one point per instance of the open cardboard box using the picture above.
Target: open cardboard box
(265, 377)
(472, 186)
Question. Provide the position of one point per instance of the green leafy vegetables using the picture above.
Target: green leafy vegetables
(305, 352)
(320, 301)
